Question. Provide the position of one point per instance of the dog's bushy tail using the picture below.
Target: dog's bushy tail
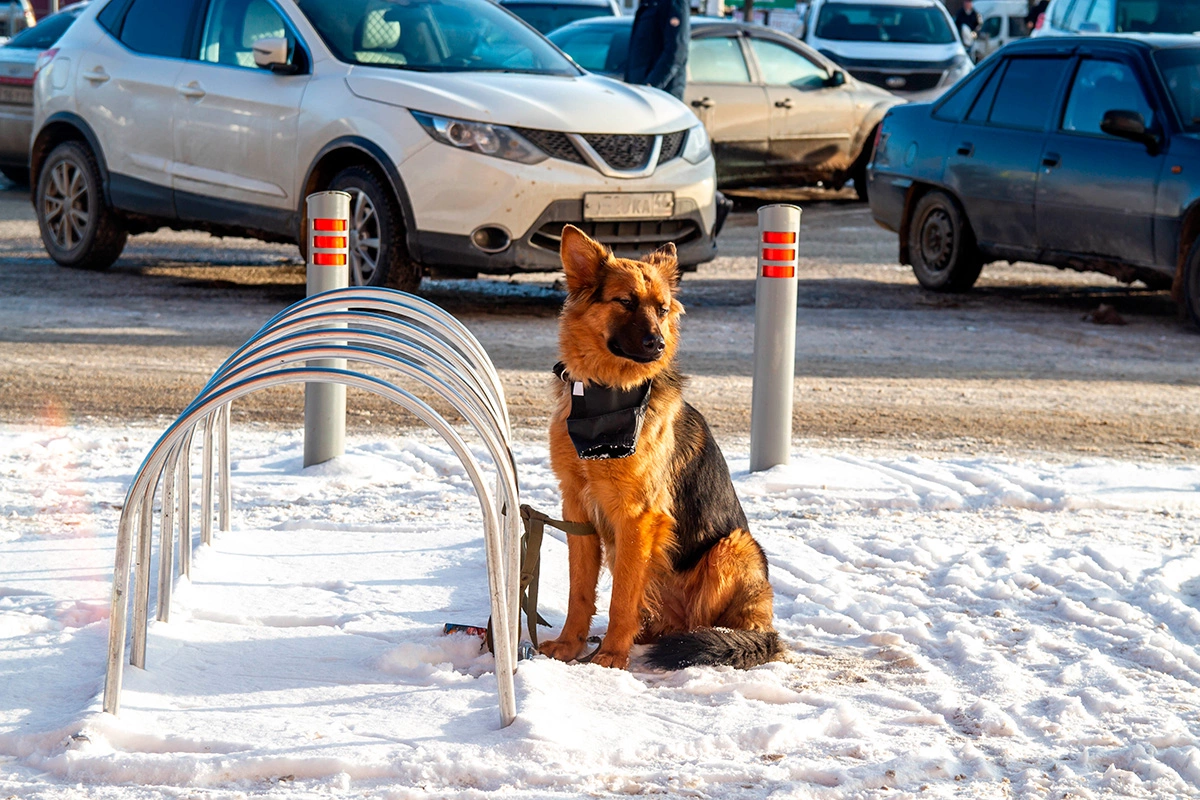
(715, 646)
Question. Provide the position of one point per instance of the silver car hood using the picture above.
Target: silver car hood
(583, 104)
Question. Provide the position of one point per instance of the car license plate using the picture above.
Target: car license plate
(17, 95)
(629, 205)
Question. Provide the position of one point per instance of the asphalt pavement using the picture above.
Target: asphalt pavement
(1018, 365)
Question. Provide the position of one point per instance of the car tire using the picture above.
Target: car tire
(941, 245)
(78, 228)
(858, 171)
(378, 254)
(1191, 284)
(17, 175)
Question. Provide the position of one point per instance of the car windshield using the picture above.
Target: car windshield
(848, 22)
(43, 35)
(549, 16)
(1181, 72)
(1158, 16)
(433, 36)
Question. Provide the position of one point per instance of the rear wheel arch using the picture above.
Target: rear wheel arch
(355, 151)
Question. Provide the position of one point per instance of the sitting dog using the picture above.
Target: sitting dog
(640, 464)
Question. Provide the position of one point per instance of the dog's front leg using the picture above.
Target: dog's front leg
(583, 554)
(638, 542)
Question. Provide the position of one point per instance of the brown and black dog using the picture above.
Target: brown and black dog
(687, 575)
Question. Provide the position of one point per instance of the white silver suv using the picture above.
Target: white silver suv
(466, 139)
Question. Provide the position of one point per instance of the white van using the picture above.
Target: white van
(1065, 17)
(1000, 22)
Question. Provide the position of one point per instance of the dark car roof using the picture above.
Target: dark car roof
(1133, 41)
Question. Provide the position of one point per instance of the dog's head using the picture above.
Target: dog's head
(620, 324)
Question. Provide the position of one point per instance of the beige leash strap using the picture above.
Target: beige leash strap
(535, 523)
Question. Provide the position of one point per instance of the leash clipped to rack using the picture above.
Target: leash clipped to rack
(534, 523)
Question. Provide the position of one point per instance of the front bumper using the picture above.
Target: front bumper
(455, 192)
(538, 249)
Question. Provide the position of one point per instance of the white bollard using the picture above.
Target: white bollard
(328, 268)
(774, 336)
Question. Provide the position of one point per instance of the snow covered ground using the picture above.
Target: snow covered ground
(959, 628)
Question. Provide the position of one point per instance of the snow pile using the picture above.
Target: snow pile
(962, 627)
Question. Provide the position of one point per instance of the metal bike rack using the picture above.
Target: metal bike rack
(389, 330)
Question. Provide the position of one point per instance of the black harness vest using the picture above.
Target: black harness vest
(604, 422)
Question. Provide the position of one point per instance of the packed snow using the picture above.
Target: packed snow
(958, 627)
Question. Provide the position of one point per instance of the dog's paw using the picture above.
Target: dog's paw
(567, 649)
(614, 660)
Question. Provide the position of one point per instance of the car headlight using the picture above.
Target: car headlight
(490, 140)
(961, 66)
(696, 147)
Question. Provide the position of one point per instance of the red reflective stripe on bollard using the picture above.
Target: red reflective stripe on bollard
(330, 242)
(779, 237)
(778, 272)
(778, 254)
(329, 224)
(329, 259)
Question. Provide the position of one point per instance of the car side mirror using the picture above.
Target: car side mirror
(1129, 125)
(838, 78)
(271, 53)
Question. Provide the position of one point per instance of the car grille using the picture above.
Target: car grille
(553, 143)
(619, 151)
(672, 143)
(627, 239)
(913, 81)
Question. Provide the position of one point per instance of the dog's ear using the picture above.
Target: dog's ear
(582, 258)
(667, 261)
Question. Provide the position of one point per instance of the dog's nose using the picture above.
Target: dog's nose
(653, 343)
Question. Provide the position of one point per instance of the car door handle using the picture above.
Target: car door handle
(97, 75)
(704, 102)
(1051, 160)
(966, 149)
(192, 91)
(784, 103)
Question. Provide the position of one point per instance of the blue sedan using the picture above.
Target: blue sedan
(1079, 153)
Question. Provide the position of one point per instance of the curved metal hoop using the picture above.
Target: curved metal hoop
(400, 333)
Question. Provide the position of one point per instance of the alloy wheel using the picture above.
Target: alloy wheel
(66, 205)
(364, 238)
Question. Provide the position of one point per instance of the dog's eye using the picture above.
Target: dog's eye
(663, 311)
(628, 303)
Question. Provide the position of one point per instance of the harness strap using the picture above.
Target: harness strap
(535, 523)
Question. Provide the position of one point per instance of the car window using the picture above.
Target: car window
(983, 104)
(860, 22)
(1027, 92)
(433, 36)
(1099, 16)
(549, 16)
(1060, 11)
(157, 28)
(232, 28)
(1180, 68)
(595, 48)
(717, 59)
(1101, 86)
(43, 35)
(954, 103)
(991, 27)
(1158, 16)
(1078, 14)
(782, 66)
(1016, 28)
